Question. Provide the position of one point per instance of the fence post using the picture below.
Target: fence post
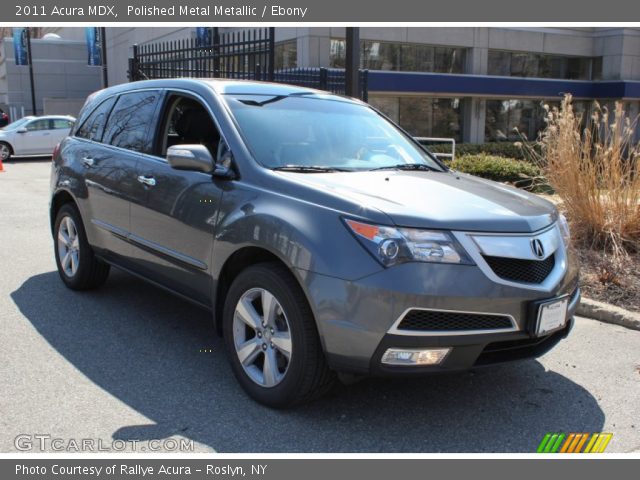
(324, 79)
(134, 64)
(272, 54)
(352, 62)
(364, 92)
(216, 52)
(257, 73)
(130, 69)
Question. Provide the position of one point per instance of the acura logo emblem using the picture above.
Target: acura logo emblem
(537, 248)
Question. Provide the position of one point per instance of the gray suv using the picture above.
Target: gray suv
(325, 241)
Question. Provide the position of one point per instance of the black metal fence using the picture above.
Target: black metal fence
(330, 79)
(246, 54)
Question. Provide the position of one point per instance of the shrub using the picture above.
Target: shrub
(500, 169)
(499, 149)
(596, 172)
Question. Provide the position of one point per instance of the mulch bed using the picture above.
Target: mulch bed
(605, 279)
(614, 282)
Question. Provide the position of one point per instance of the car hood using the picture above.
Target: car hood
(443, 200)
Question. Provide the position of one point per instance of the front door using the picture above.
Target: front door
(174, 211)
(36, 140)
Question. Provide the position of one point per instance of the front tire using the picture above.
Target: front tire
(78, 267)
(5, 151)
(271, 338)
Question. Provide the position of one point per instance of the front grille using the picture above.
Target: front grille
(510, 350)
(519, 270)
(437, 321)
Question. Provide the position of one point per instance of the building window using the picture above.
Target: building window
(286, 54)
(423, 116)
(375, 55)
(523, 64)
(516, 119)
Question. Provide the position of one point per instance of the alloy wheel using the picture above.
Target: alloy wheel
(68, 246)
(262, 337)
(4, 151)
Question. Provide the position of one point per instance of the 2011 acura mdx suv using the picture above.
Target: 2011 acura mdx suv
(321, 236)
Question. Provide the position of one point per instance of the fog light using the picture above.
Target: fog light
(414, 356)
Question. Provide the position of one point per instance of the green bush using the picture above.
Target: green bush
(499, 149)
(517, 172)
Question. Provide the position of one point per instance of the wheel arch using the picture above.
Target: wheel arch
(60, 198)
(235, 263)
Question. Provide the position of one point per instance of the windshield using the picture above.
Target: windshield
(17, 123)
(322, 132)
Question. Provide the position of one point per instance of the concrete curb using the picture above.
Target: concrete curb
(607, 313)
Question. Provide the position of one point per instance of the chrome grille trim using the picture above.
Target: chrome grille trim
(470, 244)
(394, 330)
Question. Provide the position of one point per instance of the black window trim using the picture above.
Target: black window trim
(117, 95)
(168, 92)
(93, 110)
(161, 93)
(165, 92)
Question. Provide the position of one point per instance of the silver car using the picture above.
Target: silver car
(34, 136)
(322, 238)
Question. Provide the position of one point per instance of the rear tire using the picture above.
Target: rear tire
(283, 361)
(78, 267)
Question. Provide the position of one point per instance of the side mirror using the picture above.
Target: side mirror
(22, 130)
(190, 157)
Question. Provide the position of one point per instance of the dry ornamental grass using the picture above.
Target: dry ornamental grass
(593, 164)
(596, 171)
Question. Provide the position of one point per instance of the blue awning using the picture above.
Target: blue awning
(492, 86)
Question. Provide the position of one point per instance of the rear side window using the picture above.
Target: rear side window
(61, 123)
(93, 127)
(129, 122)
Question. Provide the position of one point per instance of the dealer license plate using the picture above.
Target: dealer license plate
(552, 316)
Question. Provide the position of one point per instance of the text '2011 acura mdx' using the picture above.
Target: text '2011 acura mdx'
(322, 237)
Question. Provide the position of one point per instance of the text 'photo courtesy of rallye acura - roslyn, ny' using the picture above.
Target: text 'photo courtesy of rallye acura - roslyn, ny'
(325, 241)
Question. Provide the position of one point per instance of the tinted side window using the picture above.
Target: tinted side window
(130, 119)
(39, 125)
(93, 127)
(61, 123)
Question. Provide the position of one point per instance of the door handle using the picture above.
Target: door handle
(148, 181)
(87, 162)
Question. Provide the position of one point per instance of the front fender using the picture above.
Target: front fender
(305, 236)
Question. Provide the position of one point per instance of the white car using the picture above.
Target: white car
(34, 136)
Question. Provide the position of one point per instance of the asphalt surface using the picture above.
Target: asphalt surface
(128, 362)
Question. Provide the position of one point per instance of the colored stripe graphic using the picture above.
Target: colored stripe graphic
(591, 442)
(543, 443)
(574, 442)
(581, 443)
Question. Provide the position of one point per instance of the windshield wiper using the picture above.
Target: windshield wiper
(309, 169)
(408, 166)
(255, 103)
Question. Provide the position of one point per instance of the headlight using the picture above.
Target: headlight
(391, 245)
(564, 230)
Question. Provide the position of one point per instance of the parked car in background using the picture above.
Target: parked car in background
(322, 237)
(4, 118)
(34, 136)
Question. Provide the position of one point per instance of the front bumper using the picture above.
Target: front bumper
(356, 319)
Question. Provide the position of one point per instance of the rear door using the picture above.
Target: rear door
(173, 212)
(60, 128)
(111, 141)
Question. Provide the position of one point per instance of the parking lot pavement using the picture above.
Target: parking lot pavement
(128, 362)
